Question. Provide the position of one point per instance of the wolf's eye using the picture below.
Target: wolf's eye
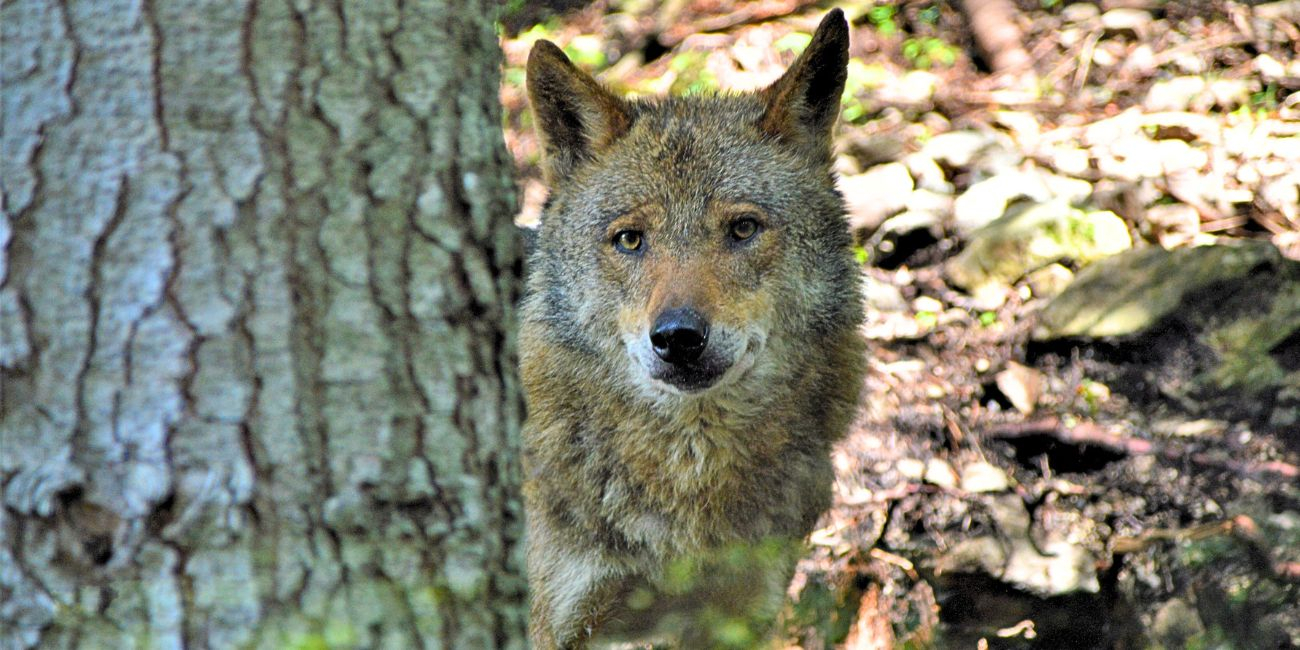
(628, 241)
(744, 228)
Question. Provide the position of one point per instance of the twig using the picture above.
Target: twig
(1089, 433)
(1241, 528)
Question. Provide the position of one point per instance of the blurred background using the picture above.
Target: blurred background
(1080, 225)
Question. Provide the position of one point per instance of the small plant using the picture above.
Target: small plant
(882, 16)
(861, 255)
(927, 52)
(793, 42)
(861, 78)
(586, 51)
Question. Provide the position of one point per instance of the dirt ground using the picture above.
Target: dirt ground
(1008, 486)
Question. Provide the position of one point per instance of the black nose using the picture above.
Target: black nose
(679, 335)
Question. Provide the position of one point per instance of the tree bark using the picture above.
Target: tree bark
(257, 327)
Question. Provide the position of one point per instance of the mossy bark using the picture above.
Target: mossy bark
(257, 285)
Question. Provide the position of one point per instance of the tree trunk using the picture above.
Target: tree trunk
(257, 277)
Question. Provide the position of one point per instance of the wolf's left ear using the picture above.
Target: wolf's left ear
(802, 105)
(576, 117)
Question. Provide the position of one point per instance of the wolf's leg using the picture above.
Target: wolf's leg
(752, 592)
(572, 589)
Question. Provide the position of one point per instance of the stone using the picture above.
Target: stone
(1021, 385)
(926, 303)
(940, 473)
(980, 476)
(1131, 292)
(1049, 281)
(1217, 327)
(911, 468)
(1173, 224)
(1177, 94)
(876, 194)
(882, 296)
(1027, 239)
(959, 149)
(1135, 23)
(1175, 624)
(928, 174)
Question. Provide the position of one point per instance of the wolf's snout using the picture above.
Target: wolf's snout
(679, 335)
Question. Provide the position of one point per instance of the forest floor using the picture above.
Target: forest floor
(1081, 424)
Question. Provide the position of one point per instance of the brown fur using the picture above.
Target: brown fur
(627, 475)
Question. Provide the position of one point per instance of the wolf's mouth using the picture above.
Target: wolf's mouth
(692, 377)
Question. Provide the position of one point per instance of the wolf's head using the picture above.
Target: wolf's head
(692, 241)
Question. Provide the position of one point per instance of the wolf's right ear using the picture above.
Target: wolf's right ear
(802, 105)
(576, 117)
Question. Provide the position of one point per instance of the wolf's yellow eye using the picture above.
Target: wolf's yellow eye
(628, 241)
(744, 228)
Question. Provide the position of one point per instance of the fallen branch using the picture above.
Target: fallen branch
(1240, 528)
(1092, 434)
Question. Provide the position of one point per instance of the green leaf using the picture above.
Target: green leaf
(793, 42)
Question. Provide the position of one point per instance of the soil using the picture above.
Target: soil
(1003, 491)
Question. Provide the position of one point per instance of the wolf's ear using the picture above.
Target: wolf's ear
(576, 117)
(802, 105)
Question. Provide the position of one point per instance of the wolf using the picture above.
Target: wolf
(689, 348)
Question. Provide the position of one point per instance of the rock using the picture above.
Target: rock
(1173, 224)
(984, 477)
(1135, 23)
(961, 149)
(987, 200)
(900, 235)
(1177, 94)
(1021, 385)
(939, 473)
(1141, 61)
(877, 194)
(1078, 12)
(916, 87)
(1054, 567)
(1103, 234)
(1028, 239)
(1269, 68)
(990, 295)
(928, 174)
(1215, 329)
(1190, 127)
(1023, 125)
(1071, 190)
(926, 303)
(1283, 194)
(911, 468)
(932, 202)
(1106, 54)
(1231, 93)
(882, 296)
(1129, 293)
(1049, 280)
(1175, 624)
(1069, 160)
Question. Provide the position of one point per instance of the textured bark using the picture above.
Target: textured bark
(257, 276)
